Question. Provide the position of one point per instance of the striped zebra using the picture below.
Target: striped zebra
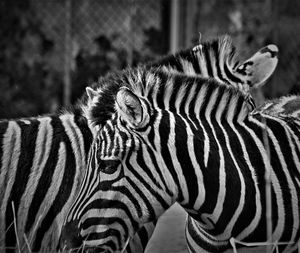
(43, 158)
(42, 166)
(42, 162)
(287, 105)
(218, 59)
(166, 138)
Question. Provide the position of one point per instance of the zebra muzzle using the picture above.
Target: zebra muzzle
(70, 240)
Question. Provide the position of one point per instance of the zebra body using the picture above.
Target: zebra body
(42, 166)
(218, 59)
(42, 159)
(287, 105)
(170, 138)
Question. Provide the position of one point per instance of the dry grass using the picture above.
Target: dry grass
(169, 236)
(25, 246)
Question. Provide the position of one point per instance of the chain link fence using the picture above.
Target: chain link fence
(103, 35)
(51, 49)
(254, 24)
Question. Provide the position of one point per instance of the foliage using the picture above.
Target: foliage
(31, 83)
(31, 59)
(26, 79)
(254, 24)
(105, 58)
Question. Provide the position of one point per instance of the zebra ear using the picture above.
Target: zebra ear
(257, 69)
(91, 92)
(131, 108)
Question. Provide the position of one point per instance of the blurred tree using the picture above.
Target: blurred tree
(105, 57)
(31, 68)
(155, 40)
(102, 58)
(29, 85)
(254, 24)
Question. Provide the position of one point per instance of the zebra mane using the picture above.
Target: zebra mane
(153, 84)
(221, 48)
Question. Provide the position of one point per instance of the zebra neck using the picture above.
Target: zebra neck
(221, 105)
(200, 240)
(216, 59)
(211, 59)
(205, 101)
(193, 126)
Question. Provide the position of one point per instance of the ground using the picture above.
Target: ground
(169, 234)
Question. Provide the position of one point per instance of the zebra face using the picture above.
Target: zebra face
(143, 158)
(119, 180)
(125, 184)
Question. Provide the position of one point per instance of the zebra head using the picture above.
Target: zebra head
(214, 59)
(218, 59)
(133, 173)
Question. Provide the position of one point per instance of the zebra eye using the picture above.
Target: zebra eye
(108, 166)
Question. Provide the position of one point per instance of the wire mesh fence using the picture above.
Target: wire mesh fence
(46, 44)
(68, 44)
(51, 49)
(121, 23)
(254, 24)
(104, 35)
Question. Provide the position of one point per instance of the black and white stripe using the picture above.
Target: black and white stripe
(42, 159)
(218, 59)
(172, 138)
(42, 165)
(42, 162)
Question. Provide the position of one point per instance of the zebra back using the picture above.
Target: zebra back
(218, 59)
(287, 105)
(42, 162)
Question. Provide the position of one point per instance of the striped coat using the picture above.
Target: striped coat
(42, 159)
(165, 137)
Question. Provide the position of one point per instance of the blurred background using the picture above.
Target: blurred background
(51, 49)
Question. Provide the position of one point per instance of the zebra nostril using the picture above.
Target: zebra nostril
(70, 240)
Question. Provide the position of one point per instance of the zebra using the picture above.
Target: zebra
(43, 158)
(42, 165)
(42, 161)
(165, 138)
(217, 59)
(288, 105)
